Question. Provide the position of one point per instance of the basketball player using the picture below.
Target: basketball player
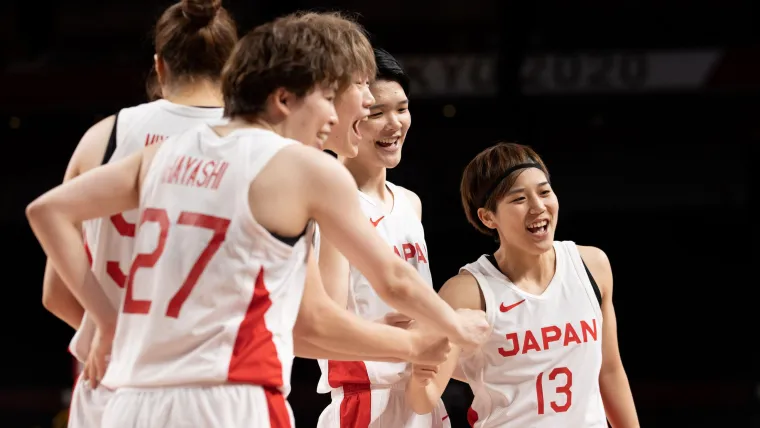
(193, 39)
(225, 215)
(352, 104)
(334, 340)
(552, 359)
(368, 393)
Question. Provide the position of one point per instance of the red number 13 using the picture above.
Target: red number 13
(562, 389)
(216, 224)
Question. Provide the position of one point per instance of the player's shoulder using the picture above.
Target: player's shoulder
(311, 164)
(598, 264)
(92, 146)
(412, 197)
(461, 291)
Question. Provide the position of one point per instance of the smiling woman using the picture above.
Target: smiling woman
(395, 213)
(558, 363)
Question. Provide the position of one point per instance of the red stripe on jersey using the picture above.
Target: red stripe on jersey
(279, 417)
(343, 372)
(254, 357)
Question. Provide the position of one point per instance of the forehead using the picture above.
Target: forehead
(387, 90)
(530, 177)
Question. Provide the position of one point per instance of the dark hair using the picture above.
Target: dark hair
(388, 68)
(295, 52)
(483, 173)
(152, 86)
(194, 38)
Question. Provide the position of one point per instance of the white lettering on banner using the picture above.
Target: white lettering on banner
(452, 75)
(617, 72)
(578, 73)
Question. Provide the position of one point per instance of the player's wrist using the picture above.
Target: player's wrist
(409, 346)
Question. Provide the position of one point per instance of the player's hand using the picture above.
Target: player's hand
(423, 374)
(429, 348)
(100, 355)
(474, 330)
(396, 319)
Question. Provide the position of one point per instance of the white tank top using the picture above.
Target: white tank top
(211, 297)
(109, 241)
(402, 229)
(540, 367)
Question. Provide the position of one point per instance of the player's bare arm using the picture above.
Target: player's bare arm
(56, 215)
(335, 271)
(613, 381)
(423, 392)
(330, 195)
(56, 296)
(325, 330)
(335, 267)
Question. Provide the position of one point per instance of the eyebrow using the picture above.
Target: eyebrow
(522, 189)
(405, 101)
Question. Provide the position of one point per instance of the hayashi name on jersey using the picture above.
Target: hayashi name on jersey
(195, 172)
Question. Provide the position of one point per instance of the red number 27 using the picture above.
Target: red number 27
(216, 224)
(561, 389)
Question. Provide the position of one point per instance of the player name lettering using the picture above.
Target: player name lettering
(151, 139)
(195, 172)
(410, 251)
(530, 341)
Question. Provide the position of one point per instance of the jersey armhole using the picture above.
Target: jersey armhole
(594, 286)
(111, 147)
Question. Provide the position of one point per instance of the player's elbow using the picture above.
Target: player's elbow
(419, 404)
(309, 325)
(49, 302)
(422, 408)
(36, 210)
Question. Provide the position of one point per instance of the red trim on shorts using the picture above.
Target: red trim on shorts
(279, 417)
(356, 406)
(254, 357)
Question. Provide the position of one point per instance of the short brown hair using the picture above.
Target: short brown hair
(353, 43)
(194, 38)
(295, 52)
(480, 187)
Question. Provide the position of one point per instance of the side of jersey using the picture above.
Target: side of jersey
(402, 229)
(211, 297)
(110, 240)
(540, 367)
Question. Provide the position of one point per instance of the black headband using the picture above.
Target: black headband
(504, 176)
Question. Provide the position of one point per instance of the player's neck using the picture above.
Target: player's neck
(199, 94)
(524, 268)
(370, 181)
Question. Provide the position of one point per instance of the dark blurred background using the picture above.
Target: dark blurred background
(646, 113)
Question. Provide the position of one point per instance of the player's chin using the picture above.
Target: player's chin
(540, 244)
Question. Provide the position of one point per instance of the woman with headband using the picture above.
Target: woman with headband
(552, 359)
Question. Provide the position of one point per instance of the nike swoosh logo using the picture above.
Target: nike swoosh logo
(375, 222)
(510, 307)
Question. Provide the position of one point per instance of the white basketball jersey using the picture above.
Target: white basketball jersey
(540, 367)
(211, 297)
(109, 241)
(402, 229)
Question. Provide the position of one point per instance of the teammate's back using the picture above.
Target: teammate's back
(212, 296)
(109, 240)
